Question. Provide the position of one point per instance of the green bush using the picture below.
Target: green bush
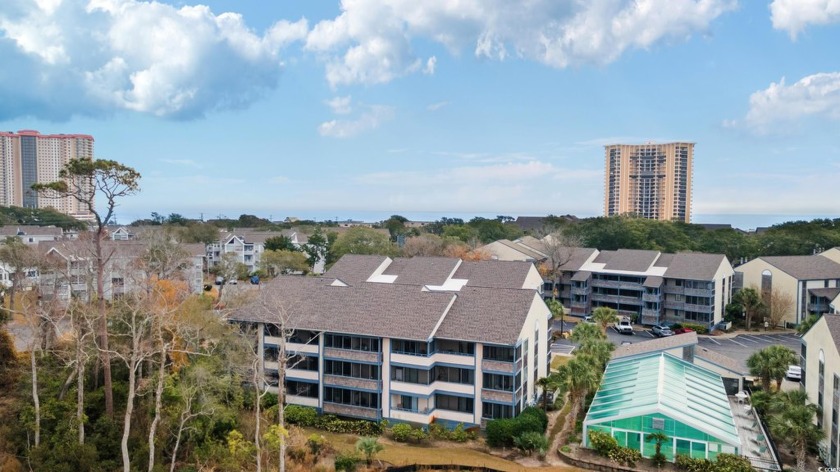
(724, 462)
(346, 461)
(301, 415)
(404, 432)
(699, 328)
(625, 456)
(315, 443)
(501, 432)
(460, 434)
(531, 441)
(602, 443)
(537, 413)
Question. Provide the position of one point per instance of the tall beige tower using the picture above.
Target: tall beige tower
(649, 180)
(29, 157)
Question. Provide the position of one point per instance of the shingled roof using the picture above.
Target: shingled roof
(491, 308)
(631, 260)
(805, 267)
(696, 266)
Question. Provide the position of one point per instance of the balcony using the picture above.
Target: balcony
(699, 308)
(466, 360)
(700, 292)
(818, 308)
(671, 289)
(437, 386)
(615, 284)
(650, 297)
(489, 365)
(423, 416)
(353, 411)
(351, 355)
(498, 396)
(352, 382)
(297, 400)
(616, 299)
(580, 290)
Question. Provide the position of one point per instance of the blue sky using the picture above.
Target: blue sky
(365, 108)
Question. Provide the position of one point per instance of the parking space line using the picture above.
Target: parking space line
(714, 341)
(649, 334)
(747, 337)
(740, 344)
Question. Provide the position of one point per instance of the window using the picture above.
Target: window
(499, 382)
(117, 282)
(495, 410)
(351, 369)
(355, 343)
(301, 362)
(497, 353)
(453, 403)
(301, 389)
(414, 348)
(454, 347)
(351, 397)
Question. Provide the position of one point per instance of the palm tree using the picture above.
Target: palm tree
(546, 383)
(761, 365)
(793, 422)
(586, 331)
(659, 437)
(579, 377)
(750, 300)
(557, 313)
(806, 324)
(782, 357)
(369, 447)
(604, 316)
(597, 351)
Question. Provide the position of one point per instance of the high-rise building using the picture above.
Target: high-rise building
(29, 157)
(649, 180)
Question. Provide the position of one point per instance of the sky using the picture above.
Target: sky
(366, 108)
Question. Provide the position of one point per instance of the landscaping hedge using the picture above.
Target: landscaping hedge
(501, 432)
(306, 416)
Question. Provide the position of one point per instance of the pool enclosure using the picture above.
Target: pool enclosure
(659, 392)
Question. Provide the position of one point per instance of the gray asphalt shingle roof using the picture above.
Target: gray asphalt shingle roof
(829, 293)
(696, 266)
(421, 270)
(493, 316)
(494, 274)
(631, 260)
(806, 267)
(354, 268)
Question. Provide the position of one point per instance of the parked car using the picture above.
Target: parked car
(623, 325)
(683, 330)
(588, 319)
(626, 343)
(794, 372)
(661, 331)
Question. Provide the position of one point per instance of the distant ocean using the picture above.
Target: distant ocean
(745, 222)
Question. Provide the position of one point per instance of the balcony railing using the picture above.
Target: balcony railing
(489, 365)
(496, 395)
(617, 299)
(580, 291)
(352, 382)
(699, 308)
(350, 410)
(818, 308)
(699, 292)
(650, 297)
(351, 355)
(615, 284)
(673, 290)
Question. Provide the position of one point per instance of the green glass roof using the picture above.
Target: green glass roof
(662, 383)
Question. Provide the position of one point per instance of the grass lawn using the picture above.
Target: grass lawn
(557, 361)
(403, 454)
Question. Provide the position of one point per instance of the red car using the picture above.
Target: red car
(683, 330)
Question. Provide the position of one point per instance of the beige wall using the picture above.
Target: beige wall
(817, 339)
(537, 351)
(723, 295)
(752, 271)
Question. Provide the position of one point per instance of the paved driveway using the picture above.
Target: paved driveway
(740, 347)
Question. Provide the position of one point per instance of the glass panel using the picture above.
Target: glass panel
(698, 450)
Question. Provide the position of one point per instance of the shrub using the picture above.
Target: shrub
(301, 415)
(404, 432)
(500, 432)
(537, 413)
(727, 462)
(659, 459)
(566, 449)
(699, 328)
(602, 443)
(315, 443)
(733, 463)
(346, 461)
(625, 456)
(459, 434)
(531, 441)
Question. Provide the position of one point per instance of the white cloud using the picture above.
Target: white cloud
(816, 95)
(103, 56)
(340, 105)
(431, 65)
(437, 106)
(370, 41)
(367, 121)
(794, 16)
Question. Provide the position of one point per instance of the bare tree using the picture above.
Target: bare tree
(559, 248)
(779, 304)
(81, 180)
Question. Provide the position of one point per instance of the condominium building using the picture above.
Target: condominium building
(650, 286)
(649, 180)
(819, 357)
(28, 157)
(409, 340)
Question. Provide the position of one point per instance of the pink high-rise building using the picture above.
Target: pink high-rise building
(29, 157)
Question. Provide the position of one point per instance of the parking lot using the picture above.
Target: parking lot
(738, 348)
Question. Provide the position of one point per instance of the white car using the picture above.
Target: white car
(794, 372)
(623, 325)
